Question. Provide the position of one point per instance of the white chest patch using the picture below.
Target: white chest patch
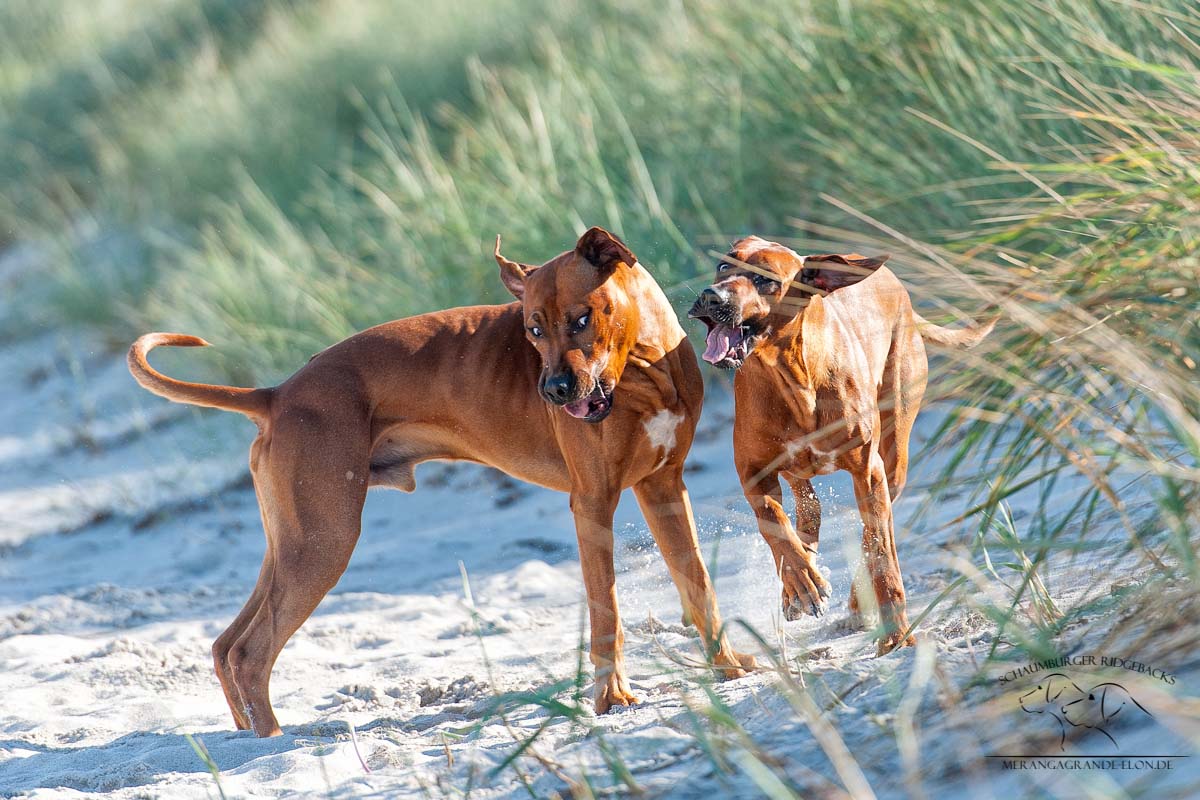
(820, 461)
(660, 430)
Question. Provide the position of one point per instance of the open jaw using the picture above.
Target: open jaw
(727, 346)
(592, 407)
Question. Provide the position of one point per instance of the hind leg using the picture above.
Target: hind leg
(896, 423)
(879, 549)
(221, 647)
(899, 401)
(297, 586)
(313, 507)
(805, 589)
(808, 511)
(903, 383)
(893, 446)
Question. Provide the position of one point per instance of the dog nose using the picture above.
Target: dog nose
(559, 388)
(712, 297)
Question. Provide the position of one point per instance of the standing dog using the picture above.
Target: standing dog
(586, 385)
(831, 371)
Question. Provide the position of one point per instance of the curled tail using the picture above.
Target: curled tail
(254, 403)
(960, 337)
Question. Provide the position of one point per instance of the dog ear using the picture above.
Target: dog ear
(604, 251)
(1114, 698)
(512, 274)
(816, 341)
(1057, 684)
(1109, 707)
(833, 271)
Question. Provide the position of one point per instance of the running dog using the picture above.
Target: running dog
(831, 369)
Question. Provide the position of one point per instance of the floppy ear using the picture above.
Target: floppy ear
(512, 274)
(816, 341)
(829, 272)
(1115, 698)
(1109, 706)
(1058, 684)
(604, 251)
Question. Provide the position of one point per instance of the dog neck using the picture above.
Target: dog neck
(659, 331)
(786, 355)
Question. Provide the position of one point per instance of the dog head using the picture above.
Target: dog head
(1050, 694)
(580, 319)
(759, 286)
(1100, 706)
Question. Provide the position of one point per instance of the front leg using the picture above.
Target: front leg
(664, 502)
(805, 589)
(593, 529)
(808, 511)
(808, 528)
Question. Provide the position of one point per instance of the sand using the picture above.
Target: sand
(130, 537)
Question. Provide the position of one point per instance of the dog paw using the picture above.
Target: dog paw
(733, 664)
(614, 691)
(853, 622)
(893, 641)
(805, 590)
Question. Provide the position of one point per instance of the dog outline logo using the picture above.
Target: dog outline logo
(1099, 708)
(1074, 709)
(1052, 693)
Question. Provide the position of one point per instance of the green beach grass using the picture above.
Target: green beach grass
(364, 154)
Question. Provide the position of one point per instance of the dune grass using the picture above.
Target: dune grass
(277, 183)
(375, 165)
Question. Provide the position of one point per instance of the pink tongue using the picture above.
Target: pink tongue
(578, 408)
(720, 341)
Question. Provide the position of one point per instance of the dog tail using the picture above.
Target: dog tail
(965, 338)
(254, 403)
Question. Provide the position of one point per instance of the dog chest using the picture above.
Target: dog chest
(661, 433)
(803, 456)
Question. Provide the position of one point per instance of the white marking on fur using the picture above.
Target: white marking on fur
(822, 462)
(349, 475)
(661, 431)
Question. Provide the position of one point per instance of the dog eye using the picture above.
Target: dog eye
(723, 266)
(535, 332)
(581, 323)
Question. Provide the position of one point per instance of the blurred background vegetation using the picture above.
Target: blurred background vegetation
(275, 174)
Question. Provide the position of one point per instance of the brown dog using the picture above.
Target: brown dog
(831, 371)
(607, 397)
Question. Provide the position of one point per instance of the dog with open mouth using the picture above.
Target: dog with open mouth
(586, 385)
(831, 370)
